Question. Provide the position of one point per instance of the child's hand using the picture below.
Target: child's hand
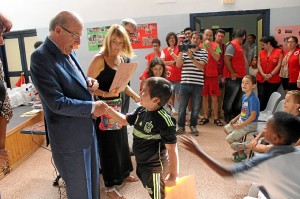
(170, 180)
(237, 126)
(253, 143)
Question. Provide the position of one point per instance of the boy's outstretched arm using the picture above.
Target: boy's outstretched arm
(173, 165)
(118, 117)
(191, 145)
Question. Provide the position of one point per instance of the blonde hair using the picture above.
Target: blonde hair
(117, 31)
(296, 95)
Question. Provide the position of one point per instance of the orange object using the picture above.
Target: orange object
(185, 188)
(21, 80)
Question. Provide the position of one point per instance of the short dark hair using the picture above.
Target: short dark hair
(154, 62)
(220, 31)
(188, 29)
(197, 33)
(286, 126)
(253, 36)
(239, 33)
(161, 88)
(168, 37)
(37, 44)
(252, 78)
(156, 41)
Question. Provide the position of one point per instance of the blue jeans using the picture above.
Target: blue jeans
(188, 91)
(232, 103)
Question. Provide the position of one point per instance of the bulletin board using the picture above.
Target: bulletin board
(282, 33)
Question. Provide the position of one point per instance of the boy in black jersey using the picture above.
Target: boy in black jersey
(154, 141)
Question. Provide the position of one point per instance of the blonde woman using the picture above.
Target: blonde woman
(112, 137)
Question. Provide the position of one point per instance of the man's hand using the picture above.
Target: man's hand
(6, 23)
(100, 108)
(234, 76)
(207, 44)
(92, 84)
(190, 53)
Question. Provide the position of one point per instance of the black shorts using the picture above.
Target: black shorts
(153, 182)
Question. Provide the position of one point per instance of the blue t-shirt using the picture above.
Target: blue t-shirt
(249, 104)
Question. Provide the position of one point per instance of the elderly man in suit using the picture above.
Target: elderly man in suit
(66, 95)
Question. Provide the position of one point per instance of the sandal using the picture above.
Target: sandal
(237, 146)
(113, 193)
(131, 179)
(218, 122)
(203, 121)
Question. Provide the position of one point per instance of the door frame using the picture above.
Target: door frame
(20, 35)
(264, 12)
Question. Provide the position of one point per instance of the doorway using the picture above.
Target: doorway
(254, 21)
(15, 55)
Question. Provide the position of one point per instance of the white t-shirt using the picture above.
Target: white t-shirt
(277, 171)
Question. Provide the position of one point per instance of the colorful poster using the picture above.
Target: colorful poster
(95, 37)
(282, 33)
(144, 36)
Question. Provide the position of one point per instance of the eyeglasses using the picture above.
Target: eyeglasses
(289, 42)
(75, 36)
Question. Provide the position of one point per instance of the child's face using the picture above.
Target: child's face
(289, 104)
(269, 133)
(254, 62)
(157, 70)
(247, 85)
(146, 101)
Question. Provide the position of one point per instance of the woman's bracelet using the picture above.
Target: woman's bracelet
(103, 94)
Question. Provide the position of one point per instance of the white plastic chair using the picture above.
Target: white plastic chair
(280, 106)
(271, 106)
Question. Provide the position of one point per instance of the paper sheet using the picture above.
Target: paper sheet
(123, 75)
(185, 188)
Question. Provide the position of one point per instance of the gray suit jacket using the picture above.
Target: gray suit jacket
(66, 101)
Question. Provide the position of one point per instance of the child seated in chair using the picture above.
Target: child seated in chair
(154, 137)
(246, 121)
(277, 171)
(292, 106)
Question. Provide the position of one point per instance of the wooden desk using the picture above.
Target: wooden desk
(21, 146)
(36, 129)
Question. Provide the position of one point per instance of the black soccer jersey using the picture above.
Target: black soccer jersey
(152, 130)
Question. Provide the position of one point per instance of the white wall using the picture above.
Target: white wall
(37, 13)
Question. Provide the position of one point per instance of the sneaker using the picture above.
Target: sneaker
(239, 157)
(194, 130)
(180, 130)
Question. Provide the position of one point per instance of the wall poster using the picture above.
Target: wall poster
(142, 38)
(282, 33)
(96, 37)
(144, 35)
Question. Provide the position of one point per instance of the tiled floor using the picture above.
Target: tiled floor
(33, 178)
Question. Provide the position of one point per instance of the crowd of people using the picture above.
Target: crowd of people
(86, 120)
